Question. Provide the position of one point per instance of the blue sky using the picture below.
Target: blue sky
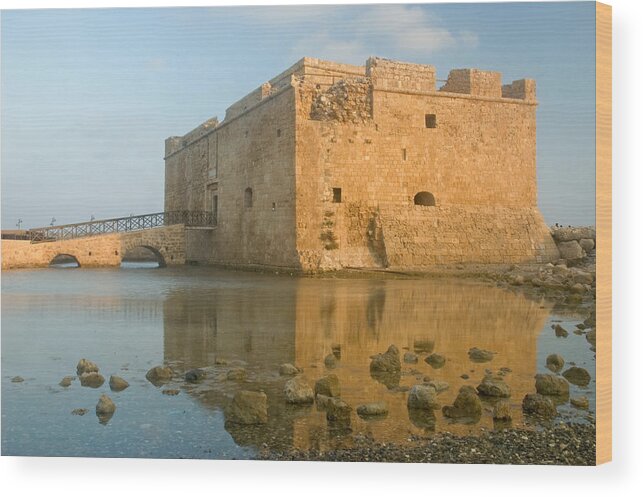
(88, 96)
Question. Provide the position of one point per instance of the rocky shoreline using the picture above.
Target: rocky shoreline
(563, 444)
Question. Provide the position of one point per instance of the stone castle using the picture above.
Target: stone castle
(329, 165)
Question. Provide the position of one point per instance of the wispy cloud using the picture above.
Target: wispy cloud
(351, 34)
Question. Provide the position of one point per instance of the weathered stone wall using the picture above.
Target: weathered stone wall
(251, 151)
(478, 162)
(381, 133)
(96, 251)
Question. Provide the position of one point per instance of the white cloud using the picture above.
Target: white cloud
(353, 34)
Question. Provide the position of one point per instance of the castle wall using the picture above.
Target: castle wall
(254, 150)
(335, 155)
(478, 161)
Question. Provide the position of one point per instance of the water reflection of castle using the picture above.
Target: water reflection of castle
(282, 320)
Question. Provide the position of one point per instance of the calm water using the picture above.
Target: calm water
(128, 320)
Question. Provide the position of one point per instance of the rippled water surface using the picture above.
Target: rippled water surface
(128, 320)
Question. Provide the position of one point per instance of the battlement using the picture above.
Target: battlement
(379, 75)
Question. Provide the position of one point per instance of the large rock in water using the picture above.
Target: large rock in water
(248, 408)
(372, 409)
(328, 386)
(549, 384)
(116, 383)
(388, 362)
(576, 233)
(422, 397)
(555, 362)
(571, 250)
(298, 391)
(577, 376)
(85, 366)
(436, 361)
(494, 387)
(466, 405)
(538, 405)
(93, 379)
(480, 355)
(105, 409)
(502, 411)
(159, 375)
(195, 375)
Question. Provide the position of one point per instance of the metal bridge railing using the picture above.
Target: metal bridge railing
(121, 225)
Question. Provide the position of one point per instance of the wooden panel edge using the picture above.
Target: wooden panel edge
(603, 233)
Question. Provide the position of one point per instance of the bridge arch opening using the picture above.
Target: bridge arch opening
(64, 261)
(142, 257)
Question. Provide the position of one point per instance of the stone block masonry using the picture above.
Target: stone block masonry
(331, 165)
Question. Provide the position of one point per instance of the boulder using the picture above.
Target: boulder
(338, 412)
(237, 374)
(330, 361)
(85, 366)
(577, 376)
(549, 384)
(93, 380)
(466, 405)
(81, 411)
(116, 383)
(66, 381)
(577, 288)
(388, 362)
(494, 387)
(288, 370)
(576, 233)
(372, 409)
(105, 408)
(17, 379)
(298, 391)
(480, 355)
(583, 277)
(560, 331)
(571, 250)
(438, 385)
(538, 405)
(555, 362)
(159, 375)
(436, 361)
(587, 244)
(247, 408)
(581, 402)
(502, 411)
(410, 358)
(422, 397)
(328, 386)
(170, 391)
(195, 375)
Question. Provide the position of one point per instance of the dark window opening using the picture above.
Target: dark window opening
(274, 206)
(247, 198)
(430, 121)
(215, 209)
(424, 198)
(403, 154)
(337, 195)
(278, 132)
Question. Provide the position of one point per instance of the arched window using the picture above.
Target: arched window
(247, 198)
(424, 198)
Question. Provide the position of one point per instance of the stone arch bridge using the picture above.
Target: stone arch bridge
(104, 243)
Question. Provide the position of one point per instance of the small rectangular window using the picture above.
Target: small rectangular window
(430, 121)
(278, 132)
(403, 154)
(337, 195)
(215, 209)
